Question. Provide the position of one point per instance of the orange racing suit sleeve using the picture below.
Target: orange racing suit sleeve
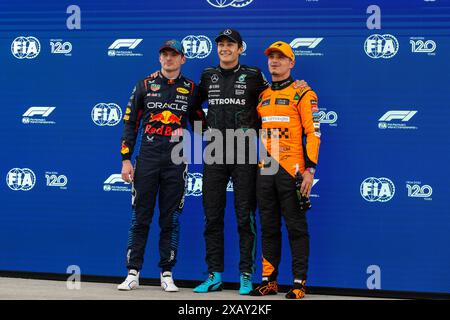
(309, 114)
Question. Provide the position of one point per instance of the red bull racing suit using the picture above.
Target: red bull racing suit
(161, 107)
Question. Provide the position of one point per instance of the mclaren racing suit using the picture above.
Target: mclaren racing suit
(164, 107)
(232, 98)
(290, 116)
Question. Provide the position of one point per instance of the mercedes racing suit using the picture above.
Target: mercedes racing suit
(232, 98)
(291, 117)
(163, 106)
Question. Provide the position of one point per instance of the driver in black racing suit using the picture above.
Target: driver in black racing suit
(232, 91)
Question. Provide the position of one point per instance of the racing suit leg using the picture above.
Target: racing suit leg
(215, 181)
(145, 188)
(244, 185)
(171, 201)
(270, 219)
(296, 224)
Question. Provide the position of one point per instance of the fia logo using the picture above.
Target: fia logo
(196, 47)
(21, 179)
(25, 47)
(106, 114)
(194, 184)
(377, 189)
(381, 46)
(244, 48)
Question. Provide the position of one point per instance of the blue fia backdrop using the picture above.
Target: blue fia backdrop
(379, 219)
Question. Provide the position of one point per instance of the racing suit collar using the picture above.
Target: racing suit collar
(229, 71)
(167, 80)
(278, 85)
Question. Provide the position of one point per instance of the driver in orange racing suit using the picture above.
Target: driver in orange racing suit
(291, 116)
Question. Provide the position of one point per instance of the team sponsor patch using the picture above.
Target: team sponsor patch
(155, 87)
(275, 133)
(275, 119)
(182, 90)
(265, 103)
(226, 101)
(126, 117)
(124, 149)
(282, 102)
(162, 130)
(242, 78)
(316, 116)
(317, 130)
(184, 98)
(128, 110)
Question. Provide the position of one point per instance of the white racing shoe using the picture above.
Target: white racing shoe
(131, 282)
(167, 283)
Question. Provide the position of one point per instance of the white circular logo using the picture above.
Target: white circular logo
(19, 179)
(106, 114)
(381, 46)
(25, 47)
(196, 47)
(227, 32)
(214, 78)
(377, 189)
(194, 184)
(226, 3)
